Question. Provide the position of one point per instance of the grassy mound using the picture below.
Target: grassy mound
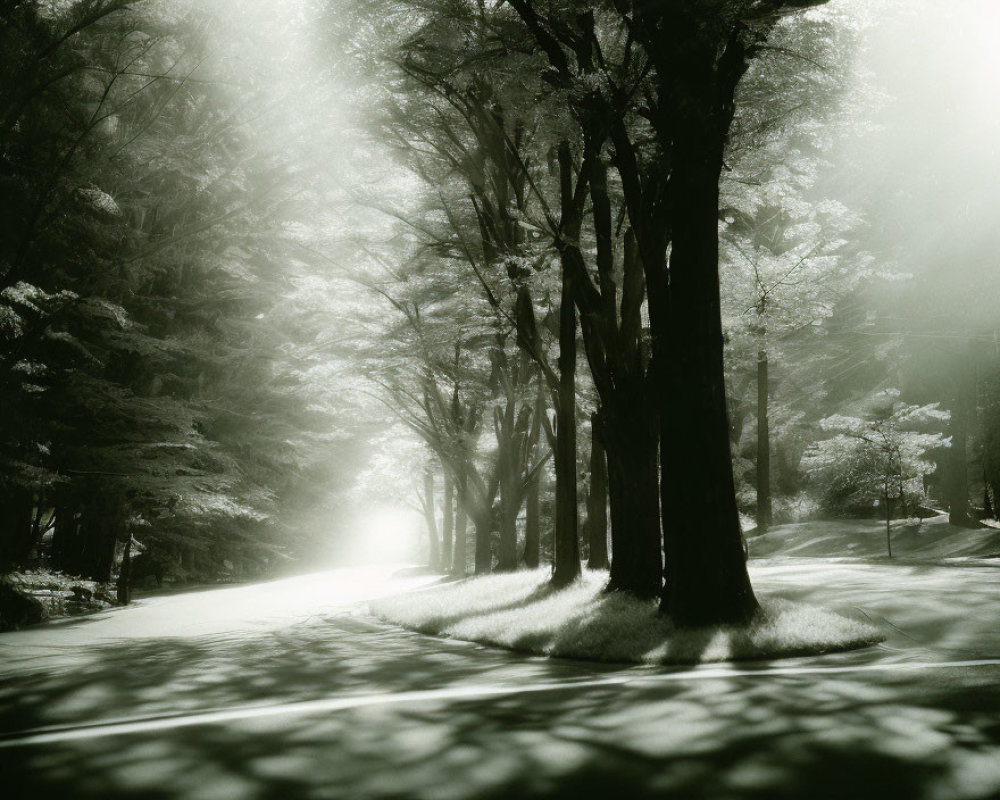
(521, 612)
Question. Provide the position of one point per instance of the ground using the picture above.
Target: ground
(288, 690)
(926, 540)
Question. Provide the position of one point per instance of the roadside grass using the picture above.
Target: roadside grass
(520, 611)
(928, 540)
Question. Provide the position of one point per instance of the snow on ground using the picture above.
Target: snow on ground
(522, 612)
(927, 540)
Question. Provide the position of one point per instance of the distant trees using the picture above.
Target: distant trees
(139, 226)
(789, 254)
(990, 444)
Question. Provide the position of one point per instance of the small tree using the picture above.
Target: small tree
(878, 455)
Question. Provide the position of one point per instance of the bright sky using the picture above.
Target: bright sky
(929, 175)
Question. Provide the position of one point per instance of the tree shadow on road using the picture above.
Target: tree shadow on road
(879, 735)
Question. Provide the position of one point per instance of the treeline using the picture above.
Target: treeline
(633, 186)
(142, 390)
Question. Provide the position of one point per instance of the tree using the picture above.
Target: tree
(787, 251)
(690, 59)
(144, 362)
(449, 123)
(879, 456)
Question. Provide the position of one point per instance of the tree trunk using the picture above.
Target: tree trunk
(510, 489)
(532, 522)
(957, 474)
(706, 575)
(566, 559)
(483, 522)
(612, 335)
(16, 525)
(764, 517)
(989, 498)
(125, 575)
(434, 550)
(636, 549)
(597, 499)
(888, 517)
(447, 520)
(36, 522)
(102, 526)
(476, 501)
(566, 566)
(461, 536)
(65, 539)
(507, 551)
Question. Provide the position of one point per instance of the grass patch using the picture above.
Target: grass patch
(520, 611)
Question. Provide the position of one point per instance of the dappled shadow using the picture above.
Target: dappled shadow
(880, 735)
(555, 728)
(952, 610)
(582, 621)
(304, 662)
(603, 621)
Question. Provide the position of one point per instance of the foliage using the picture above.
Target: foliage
(878, 456)
(152, 377)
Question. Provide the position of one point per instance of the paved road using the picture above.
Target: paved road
(287, 690)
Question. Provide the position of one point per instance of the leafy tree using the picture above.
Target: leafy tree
(878, 457)
(151, 375)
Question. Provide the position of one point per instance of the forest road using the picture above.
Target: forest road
(287, 690)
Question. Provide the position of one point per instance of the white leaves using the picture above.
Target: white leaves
(11, 323)
(101, 202)
(29, 368)
(31, 297)
(107, 311)
(883, 447)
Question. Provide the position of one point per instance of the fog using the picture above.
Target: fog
(917, 159)
(499, 399)
(923, 166)
(368, 272)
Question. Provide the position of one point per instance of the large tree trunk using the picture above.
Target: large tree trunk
(764, 516)
(706, 576)
(597, 499)
(434, 544)
(447, 520)
(636, 550)
(566, 559)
